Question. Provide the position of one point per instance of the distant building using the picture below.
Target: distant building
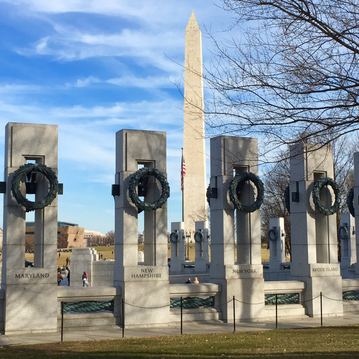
(69, 235)
(91, 237)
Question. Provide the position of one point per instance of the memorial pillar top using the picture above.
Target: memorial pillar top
(25, 141)
(228, 153)
(135, 147)
(307, 159)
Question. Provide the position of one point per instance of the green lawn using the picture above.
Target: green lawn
(108, 253)
(332, 342)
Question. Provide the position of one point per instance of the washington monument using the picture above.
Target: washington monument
(194, 154)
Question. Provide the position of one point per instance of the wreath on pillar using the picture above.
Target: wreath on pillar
(318, 185)
(237, 183)
(174, 237)
(350, 202)
(140, 175)
(273, 234)
(343, 232)
(199, 236)
(19, 175)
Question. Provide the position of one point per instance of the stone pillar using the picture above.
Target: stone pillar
(346, 234)
(201, 238)
(145, 287)
(313, 234)
(82, 260)
(276, 244)
(31, 292)
(242, 276)
(178, 247)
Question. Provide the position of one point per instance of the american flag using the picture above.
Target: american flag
(183, 171)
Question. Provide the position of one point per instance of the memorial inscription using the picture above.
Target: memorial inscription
(31, 275)
(329, 269)
(146, 273)
(238, 271)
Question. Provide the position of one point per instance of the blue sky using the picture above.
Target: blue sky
(93, 68)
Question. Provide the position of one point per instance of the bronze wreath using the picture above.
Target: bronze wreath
(238, 181)
(343, 232)
(199, 236)
(174, 237)
(20, 173)
(273, 234)
(318, 185)
(350, 203)
(165, 191)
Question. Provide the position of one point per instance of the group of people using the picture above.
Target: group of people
(196, 281)
(60, 277)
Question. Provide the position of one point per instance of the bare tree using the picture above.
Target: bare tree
(292, 74)
(110, 238)
(276, 180)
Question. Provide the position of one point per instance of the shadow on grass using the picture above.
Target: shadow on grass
(25, 352)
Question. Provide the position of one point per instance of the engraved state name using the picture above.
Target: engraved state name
(331, 269)
(146, 273)
(32, 275)
(239, 271)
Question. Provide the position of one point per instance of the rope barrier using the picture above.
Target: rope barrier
(138, 306)
(250, 303)
(333, 299)
(310, 300)
(224, 304)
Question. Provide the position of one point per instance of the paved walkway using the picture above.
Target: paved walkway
(188, 328)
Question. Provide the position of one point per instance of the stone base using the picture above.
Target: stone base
(30, 309)
(323, 278)
(245, 285)
(146, 295)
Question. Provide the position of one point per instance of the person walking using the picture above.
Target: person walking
(85, 279)
(59, 278)
(68, 275)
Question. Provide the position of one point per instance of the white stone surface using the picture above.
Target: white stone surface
(313, 234)
(82, 259)
(241, 278)
(144, 287)
(30, 293)
(178, 250)
(348, 244)
(277, 246)
(194, 151)
(202, 249)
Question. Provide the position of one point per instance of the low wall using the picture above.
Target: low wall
(86, 321)
(350, 305)
(285, 310)
(201, 290)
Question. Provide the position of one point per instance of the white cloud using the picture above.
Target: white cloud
(86, 82)
(147, 82)
(11, 89)
(155, 36)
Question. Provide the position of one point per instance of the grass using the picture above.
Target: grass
(109, 253)
(333, 342)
